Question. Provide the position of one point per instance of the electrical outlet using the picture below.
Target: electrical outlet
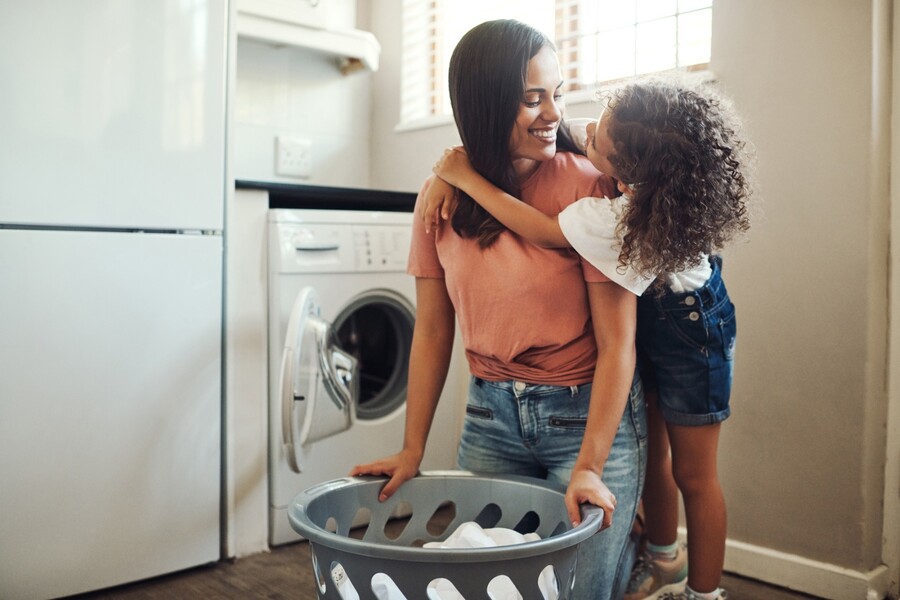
(293, 157)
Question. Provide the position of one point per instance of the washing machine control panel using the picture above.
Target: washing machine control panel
(338, 248)
(382, 247)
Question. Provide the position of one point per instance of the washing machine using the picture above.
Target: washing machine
(341, 316)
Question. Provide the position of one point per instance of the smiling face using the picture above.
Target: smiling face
(600, 146)
(533, 137)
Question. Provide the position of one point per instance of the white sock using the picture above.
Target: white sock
(667, 552)
(694, 595)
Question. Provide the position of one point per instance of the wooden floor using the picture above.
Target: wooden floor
(286, 573)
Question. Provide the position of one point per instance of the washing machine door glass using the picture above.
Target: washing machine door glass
(319, 381)
(376, 328)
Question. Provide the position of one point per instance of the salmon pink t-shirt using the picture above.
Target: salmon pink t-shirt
(522, 310)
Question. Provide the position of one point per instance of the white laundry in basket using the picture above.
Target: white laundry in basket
(472, 535)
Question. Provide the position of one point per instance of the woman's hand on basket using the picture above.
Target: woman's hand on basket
(586, 486)
(400, 467)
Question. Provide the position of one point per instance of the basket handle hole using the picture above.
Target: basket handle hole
(345, 588)
(442, 588)
(361, 523)
(561, 527)
(529, 523)
(548, 583)
(384, 587)
(489, 516)
(331, 525)
(398, 520)
(320, 579)
(501, 587)
(441, 518)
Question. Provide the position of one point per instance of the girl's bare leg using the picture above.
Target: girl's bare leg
(694, 467)
(660, 491)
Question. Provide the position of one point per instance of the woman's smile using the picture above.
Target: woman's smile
(540, 112)
(546, 134)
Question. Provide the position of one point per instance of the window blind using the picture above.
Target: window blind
(420, 77)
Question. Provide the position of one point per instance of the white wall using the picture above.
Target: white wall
(802, 457)
(282, 90)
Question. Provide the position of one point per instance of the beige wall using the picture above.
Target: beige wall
(802, 459)
(795, 463)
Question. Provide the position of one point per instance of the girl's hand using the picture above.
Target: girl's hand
(586, 486)
(454, 167)
(440, 202)
(400, 467)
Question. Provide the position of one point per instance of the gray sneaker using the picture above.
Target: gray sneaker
(650, 576)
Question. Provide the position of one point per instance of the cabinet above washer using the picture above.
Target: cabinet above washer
(312, 24)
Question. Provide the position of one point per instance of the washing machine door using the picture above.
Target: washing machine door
(319, 381)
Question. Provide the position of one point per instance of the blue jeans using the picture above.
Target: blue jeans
(685, 344)
(517, 428)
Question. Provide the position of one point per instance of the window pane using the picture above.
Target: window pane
(586, 72)
(612, 14)
(589, 16)
(615, 51)
(686, 5)
(569, 62)
(568, 13)
(694, 33)
(654, 9)
(655, 45)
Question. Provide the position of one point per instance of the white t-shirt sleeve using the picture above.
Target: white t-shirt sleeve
(589, 225)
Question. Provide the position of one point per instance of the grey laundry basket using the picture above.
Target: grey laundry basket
(324, 514)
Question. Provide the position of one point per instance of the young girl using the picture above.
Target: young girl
(679, 160)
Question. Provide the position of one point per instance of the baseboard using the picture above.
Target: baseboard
(802, 574)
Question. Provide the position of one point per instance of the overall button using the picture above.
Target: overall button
(690, 300)
(694, 316)
(520, 386)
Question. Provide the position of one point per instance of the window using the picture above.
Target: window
(599, 42)
(602, 41)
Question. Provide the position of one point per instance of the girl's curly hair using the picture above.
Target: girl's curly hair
(682, 152)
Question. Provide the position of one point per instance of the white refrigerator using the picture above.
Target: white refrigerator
(112, 183)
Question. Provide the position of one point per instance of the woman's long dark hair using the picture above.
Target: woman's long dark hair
(487, 76)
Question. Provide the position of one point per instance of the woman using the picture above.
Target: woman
(539, 326)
